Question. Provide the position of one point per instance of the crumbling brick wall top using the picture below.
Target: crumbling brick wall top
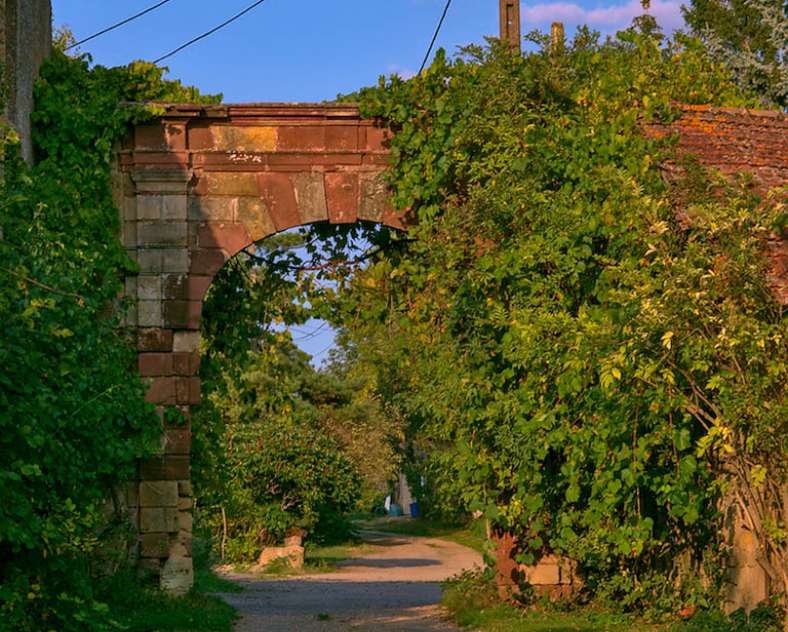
(734, 140)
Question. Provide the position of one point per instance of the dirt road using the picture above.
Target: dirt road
(395, 587)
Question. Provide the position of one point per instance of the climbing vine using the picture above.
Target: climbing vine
(599, 374)
(72, 416)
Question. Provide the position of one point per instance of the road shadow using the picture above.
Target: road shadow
(388, 563)
(305, 605)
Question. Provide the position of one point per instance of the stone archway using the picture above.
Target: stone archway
(203, 182)
(198, 186)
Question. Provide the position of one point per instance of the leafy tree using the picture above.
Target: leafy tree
(279, 445)
(593, 374)
(749, 37)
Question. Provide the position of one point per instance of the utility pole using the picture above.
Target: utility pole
(510, 23)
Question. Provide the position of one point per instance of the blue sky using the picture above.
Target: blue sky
(312, 50)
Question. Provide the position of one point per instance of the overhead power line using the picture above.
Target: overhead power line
(435, 37)
(211, 32)
(119, 24)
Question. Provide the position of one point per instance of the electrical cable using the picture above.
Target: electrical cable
(210, 32)
(435, 37)
(119, 24)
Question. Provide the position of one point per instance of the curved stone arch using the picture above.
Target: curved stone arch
(199, 185)
(203, 182)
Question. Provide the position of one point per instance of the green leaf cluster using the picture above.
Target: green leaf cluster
(588, 356)
(278, 445)
(73, 420)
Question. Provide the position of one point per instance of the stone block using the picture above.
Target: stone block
(253, 214)
(185, 504)
(186, 341)
(310, 194)
(302, 138)
(187, 390)
(130, 234)
(276, 191)
(185, 539)
(149, 261)
(341, 137)
(186, 363)
(216, 209)
(377, 138)
(185, 521)
(149, 207)
(207, 261)
(158, 519)
(182, 314)
(154, 545)
(162, 234)
(165, 468)
(223, 183)
(161, 391)
(175, 260)
(158, 494)
(150, 136)
(154, 339)
(231, 238)
(155, 364)
(374, 199)
(546, 572)
(292, 556)
(155, 181)
(130, 209)
(247, 138)
(342, 197)
(149, 287)
(174, 207)
(200, 137)
(177, 575)
(185, 488)
(149, 313)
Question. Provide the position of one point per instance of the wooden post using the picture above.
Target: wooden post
(510, 23)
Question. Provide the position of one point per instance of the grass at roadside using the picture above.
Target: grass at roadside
(471, 534)
(477, 608)
(473, 603)
(139, 608)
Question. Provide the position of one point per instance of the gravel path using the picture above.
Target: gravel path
(395, 587)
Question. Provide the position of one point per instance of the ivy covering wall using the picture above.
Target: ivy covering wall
(73, 420)
(586, 355)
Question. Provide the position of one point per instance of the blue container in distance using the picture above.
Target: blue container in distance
(395, 510)
(414, 509)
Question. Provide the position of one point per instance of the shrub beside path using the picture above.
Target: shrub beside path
(395, 587)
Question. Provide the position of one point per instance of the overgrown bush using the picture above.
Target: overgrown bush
(592, 370)
(266, 461)
(73, 420)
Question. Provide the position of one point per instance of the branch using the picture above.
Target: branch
(49, 288)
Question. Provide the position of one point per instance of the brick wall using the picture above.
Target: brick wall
(732, 141)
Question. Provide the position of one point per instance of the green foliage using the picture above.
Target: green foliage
(473, 602)
(749, 37)
(136, 608)
(574, 361)
(262, 455)
(73, 420)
